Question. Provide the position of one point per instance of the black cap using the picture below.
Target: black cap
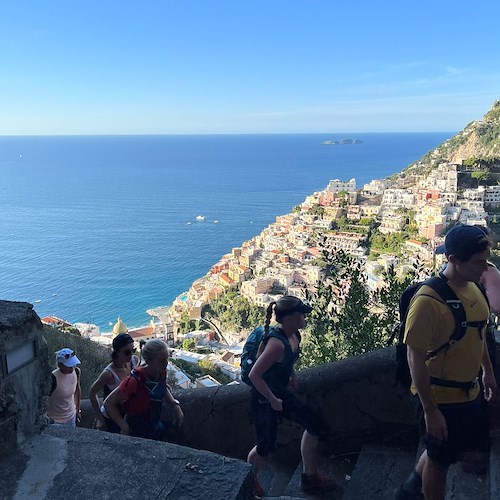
(464, 241)
(289, 304)
(122, 340)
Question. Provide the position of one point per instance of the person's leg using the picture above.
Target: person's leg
(264, 419)
(256, 460)
(298, 412)
(433, 478)
(309, 451)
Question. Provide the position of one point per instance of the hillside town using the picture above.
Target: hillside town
(414, 210)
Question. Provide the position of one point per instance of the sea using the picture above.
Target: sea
(96, 227)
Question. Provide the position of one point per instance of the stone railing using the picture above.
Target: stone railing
(358, 399)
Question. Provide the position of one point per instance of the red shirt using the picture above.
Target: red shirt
(138, 399)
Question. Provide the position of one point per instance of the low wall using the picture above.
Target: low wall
(24, 374)
(358, 398)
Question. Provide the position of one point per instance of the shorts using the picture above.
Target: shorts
(112, 426)
(467, 430)
(265, 420)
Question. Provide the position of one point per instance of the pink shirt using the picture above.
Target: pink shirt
(62, 401)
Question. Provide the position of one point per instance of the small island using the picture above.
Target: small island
(344, 141)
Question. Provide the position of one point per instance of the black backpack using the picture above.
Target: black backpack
(440, 285)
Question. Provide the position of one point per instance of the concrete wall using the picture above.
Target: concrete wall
(358, 398)
(23, 391)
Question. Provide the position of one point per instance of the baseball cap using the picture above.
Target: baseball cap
(289, 304)
(464, 241)
(122, 340)
(67, 357)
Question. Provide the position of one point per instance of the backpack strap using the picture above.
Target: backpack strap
(440, 285)
(53, 383)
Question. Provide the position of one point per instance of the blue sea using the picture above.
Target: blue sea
(93, 227)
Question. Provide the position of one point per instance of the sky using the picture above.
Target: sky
(253, 66)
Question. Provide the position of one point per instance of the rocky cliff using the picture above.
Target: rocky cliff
(478, 140)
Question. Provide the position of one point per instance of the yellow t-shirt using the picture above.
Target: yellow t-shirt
(430, 324)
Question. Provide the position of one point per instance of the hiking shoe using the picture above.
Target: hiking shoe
(402, 494)
(316, 484)
(258, 490)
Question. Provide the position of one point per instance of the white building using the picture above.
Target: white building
(336, 185)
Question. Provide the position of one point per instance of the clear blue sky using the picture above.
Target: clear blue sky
(254, 66)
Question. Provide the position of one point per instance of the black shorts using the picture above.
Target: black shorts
(265, 420)
(467, 425)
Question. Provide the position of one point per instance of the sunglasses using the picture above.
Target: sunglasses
(67, 356)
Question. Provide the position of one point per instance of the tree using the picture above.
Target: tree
(480, 175)
(347, 318)
(189, 344)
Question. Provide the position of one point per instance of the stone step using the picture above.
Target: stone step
(275, 476)
(381, 469)
(338, 468)
(378, 472)
(64, 463)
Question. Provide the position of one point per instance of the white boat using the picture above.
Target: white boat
(189, 223)
(216, 221)
(200, 217)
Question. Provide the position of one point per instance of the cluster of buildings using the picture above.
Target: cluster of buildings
(284, 258)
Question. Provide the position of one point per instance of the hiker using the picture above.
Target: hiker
(273, 395)
(65, 393)
(143, 395)
(445, 387)
(122, 362)
(491, 283)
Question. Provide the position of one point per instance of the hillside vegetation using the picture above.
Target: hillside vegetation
(480, 140)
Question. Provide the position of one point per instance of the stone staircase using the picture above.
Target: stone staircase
(376, 472)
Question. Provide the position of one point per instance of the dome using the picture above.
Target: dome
(120, 327)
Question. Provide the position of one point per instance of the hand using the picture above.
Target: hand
(125, 429)
(436, 424)
(490, 385)
(277, 404)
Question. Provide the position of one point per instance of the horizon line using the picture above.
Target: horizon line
(221, 133)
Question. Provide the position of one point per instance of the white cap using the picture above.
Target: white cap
(67, 357)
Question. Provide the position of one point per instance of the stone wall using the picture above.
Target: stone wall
(358, 398)
(24, 374)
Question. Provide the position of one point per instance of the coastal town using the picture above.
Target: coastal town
(395, 222)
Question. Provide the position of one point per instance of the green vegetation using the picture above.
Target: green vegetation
(347, 320)
(93, 356)
(317, 210)
(235, 312)
(189, 344)
(204, 367)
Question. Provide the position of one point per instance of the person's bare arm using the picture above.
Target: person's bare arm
(489, 381)
(78, 395)
(113, 404)
(491, 282)
(104, 379)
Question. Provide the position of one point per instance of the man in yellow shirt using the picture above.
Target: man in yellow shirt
(445, 387)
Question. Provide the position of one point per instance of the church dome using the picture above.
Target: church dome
(120, 327)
